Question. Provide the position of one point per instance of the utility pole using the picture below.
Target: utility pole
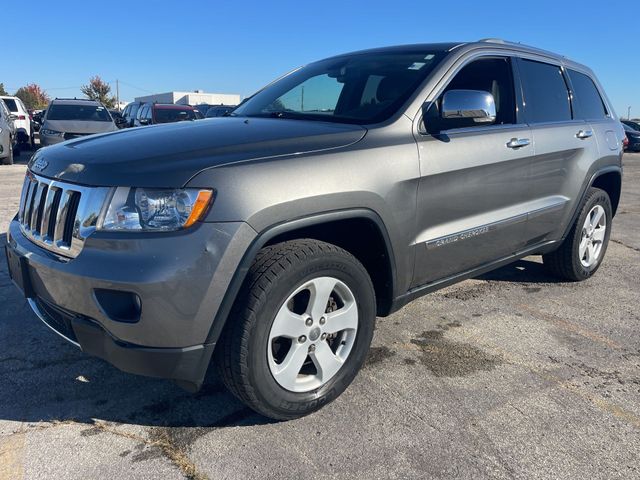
(118, 93)
(629, 113)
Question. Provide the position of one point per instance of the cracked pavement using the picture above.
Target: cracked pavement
(510, 375)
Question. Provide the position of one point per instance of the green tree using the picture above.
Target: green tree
(2, 90)
(99, 90)
(33, 96)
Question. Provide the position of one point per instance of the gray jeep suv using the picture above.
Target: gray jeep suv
(269, 240)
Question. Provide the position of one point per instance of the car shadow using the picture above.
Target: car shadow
(43, 378)
(522, 271)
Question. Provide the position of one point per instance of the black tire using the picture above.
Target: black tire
(565, 262)
(9, 159)
(241, 353)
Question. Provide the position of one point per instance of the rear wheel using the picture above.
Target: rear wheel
(581, 253)
(300, 329)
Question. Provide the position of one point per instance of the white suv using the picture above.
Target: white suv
(7, 136)
(21, 119)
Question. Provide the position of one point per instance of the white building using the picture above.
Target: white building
(192, 98)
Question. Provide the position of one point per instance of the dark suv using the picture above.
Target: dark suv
(271, 238)
(154, 113)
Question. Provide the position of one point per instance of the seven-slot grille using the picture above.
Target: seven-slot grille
(59, 216)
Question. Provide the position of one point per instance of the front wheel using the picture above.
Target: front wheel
(300, 329)
(9, 159)
(581, 253)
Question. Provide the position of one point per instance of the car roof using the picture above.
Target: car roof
(74, 101)
(486, 43)
(171, 106)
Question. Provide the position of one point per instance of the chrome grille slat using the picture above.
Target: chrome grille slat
(59, 216)
(51, 204)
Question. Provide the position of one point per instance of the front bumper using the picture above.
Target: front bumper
(180, 279)
(46, 140)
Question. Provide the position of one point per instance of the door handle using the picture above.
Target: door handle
(582, 134)
(518, 142)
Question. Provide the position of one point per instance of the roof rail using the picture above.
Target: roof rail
(500, 41)
(74, 98)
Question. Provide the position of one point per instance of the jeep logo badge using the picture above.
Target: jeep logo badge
(40, 164)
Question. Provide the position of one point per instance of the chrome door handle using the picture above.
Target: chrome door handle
(582, 134)
(518, 142)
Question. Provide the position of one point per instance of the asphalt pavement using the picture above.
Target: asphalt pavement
(510, 375)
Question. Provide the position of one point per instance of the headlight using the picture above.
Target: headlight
(51, 133)
(154, 209)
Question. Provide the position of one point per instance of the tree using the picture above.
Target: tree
(99, 90)
(33, 96)
(2, 90)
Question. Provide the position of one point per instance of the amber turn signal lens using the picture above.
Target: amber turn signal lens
(199, 207)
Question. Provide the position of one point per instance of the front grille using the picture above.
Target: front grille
(59, 216)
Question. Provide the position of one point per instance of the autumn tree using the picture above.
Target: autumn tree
(99, 90)
(33, 96)
(2, 90)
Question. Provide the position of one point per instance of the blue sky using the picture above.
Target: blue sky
(237, 47)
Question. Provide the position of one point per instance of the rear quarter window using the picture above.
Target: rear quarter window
(546, 95)
(588, 102)
(11, 104)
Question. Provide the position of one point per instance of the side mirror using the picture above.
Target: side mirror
(144, 121)
(13, 117)
(473, 105)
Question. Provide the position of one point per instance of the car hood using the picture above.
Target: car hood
(79, 126)
(169, 155)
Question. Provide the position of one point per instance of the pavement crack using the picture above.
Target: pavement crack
(635, 249)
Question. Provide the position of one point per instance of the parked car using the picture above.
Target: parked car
(203, 108)
(632, 124)
(154, 113)
(219, 111)
(22, 121)
(118, 118)
(271, 241)
(7, 135)
(130, 112)
(72, 118)
(633, 137)
(36, 119)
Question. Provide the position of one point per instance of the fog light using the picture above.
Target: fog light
(119, 306)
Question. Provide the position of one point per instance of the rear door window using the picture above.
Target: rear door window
(546, 95)
(589, 104)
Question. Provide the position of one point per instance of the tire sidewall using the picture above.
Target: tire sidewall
(266, 387)
(598, 197)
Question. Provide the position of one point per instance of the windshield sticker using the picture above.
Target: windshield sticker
(429, 57)
(416, 66)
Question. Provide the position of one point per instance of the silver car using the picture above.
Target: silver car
(66, 119)
(270, 239)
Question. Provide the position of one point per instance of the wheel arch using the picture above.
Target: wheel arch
(342, 223)
(608, 179)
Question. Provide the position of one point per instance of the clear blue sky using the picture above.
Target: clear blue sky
(237, 47)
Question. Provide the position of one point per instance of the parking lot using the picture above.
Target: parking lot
(510, 375)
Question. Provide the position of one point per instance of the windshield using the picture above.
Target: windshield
(89, 112)
(169, 115)
(11, 104)
(361, 88)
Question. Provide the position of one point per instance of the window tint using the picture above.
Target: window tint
(491, 75)
(589, 104)
(89, 112)
(11, 104)
(545, 92)
(170, 115)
